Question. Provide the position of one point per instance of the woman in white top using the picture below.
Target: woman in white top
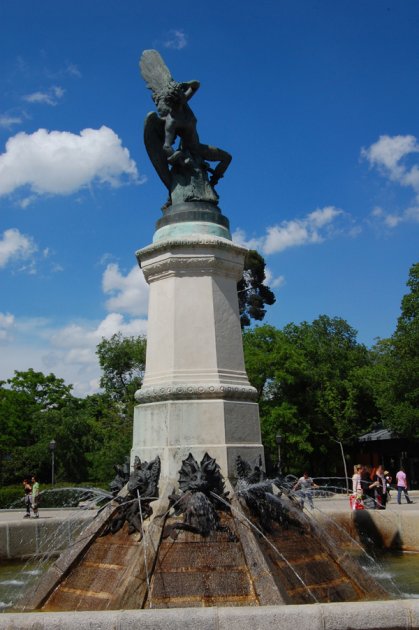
(356, 480)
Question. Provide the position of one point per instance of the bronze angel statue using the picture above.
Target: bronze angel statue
(183, 169)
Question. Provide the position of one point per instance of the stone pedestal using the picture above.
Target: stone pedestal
(196, 396)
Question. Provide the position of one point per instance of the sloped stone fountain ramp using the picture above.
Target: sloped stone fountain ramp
(122, 571)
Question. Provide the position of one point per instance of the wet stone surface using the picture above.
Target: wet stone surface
(314, 576)
(202, 571)
(91, 585)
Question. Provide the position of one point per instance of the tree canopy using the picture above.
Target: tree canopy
(122, 360)
(313, 385)
(91, 434)
(397, 365)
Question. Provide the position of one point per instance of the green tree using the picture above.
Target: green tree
(113, 436)
(91, 434)
(33, 407)
(122, 360)
(275, 367)
(252, 291)
(397, 364)
(314, 386)
(44, 391)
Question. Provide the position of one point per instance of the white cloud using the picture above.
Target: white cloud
(129, 294)
(314, 228)
(50, 97)
(412, 214)
(239, 237)
(73, 349)
(57, 268)
(61, 163)
(393, 219)
(7, 321)
(25, 202)
(323, 216)
(273, 282)
(176, 40)
(387, 154)
(288, 234)
(73, 70)
(75, 337)
(15, 246)
(7, 122)
(69, 352)
(389, 150)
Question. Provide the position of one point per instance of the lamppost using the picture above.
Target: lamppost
(344, 463)
(278, 440)
(52, 446)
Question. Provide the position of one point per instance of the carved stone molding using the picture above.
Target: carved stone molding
(207, 242)
(196, 392)
(192, 265)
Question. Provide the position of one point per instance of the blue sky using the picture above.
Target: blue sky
(317, 101)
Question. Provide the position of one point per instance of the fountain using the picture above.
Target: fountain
(178, 534)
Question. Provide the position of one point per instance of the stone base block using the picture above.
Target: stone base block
(173, 429)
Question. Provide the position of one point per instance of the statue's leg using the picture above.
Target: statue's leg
(214, 154)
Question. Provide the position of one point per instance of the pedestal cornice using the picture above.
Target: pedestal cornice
(207, 242)
(202, 391)
(192, 256)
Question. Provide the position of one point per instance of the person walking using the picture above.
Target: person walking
(305, 485)
(401, 484)
(35, 496)
(27, 489)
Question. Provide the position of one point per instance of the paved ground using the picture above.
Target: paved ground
(13, 516)
(337, 503)
(340, 503)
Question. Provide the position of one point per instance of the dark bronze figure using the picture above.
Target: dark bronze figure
(142, 489)
(264, 499)
(184, 169)
(201, 496)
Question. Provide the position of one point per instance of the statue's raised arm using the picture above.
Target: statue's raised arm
(184, 168)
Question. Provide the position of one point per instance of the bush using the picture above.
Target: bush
(10, 495)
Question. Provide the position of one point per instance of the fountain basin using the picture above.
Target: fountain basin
(365, 615)
(394, 528)
(25, 538)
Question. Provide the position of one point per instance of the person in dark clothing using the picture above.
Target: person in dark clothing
(380, 488)
(28, 491)
(368, 493)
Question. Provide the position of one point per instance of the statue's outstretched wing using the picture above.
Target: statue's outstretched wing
(154, 140)
(154, 72)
